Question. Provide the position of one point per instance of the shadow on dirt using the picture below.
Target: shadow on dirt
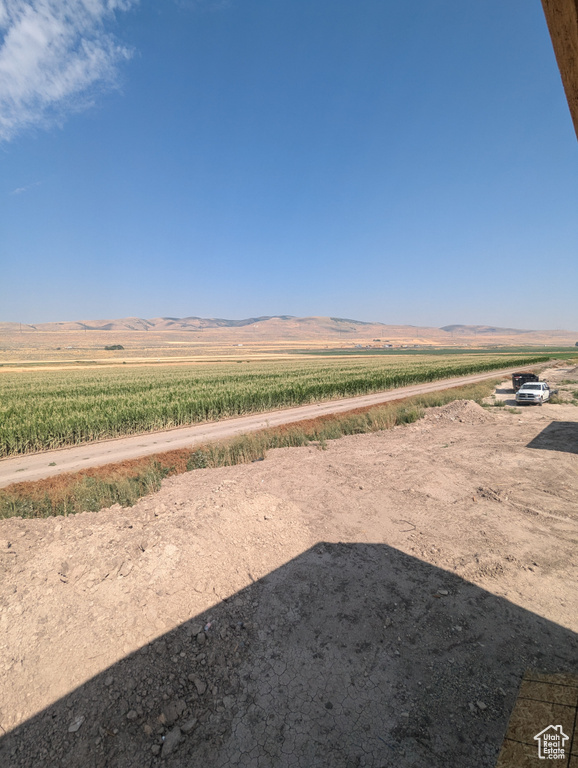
(349, 655)
(557, 436)
(506, 395)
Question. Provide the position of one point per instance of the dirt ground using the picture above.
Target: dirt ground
(372, 604)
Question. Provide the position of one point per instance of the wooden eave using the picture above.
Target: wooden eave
(562, 20)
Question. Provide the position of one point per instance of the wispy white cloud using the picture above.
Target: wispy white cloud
(20, 190)
(54, 55)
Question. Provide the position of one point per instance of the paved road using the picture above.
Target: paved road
(38, 465)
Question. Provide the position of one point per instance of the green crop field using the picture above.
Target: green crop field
(40, 410)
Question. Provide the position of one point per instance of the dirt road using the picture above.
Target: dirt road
(372, 604)
(48, 463)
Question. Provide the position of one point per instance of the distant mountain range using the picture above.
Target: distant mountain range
(487, 329)
(290, 328)
(186, 323)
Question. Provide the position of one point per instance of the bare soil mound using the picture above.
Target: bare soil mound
(462, 411)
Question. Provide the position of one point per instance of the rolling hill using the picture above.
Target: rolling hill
(287, 328)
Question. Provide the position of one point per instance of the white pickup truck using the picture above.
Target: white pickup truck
(533, 392)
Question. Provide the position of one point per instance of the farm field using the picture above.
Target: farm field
(41, 410)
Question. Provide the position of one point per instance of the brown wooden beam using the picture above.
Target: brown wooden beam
(562, 20)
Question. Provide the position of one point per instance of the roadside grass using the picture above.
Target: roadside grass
(494, 403)
(567, 393)
(557, 400)
(124, 483)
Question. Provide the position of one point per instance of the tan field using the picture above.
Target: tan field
(193, 341)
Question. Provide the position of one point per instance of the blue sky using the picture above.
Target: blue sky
(398, 162)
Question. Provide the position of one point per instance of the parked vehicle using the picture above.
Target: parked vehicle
(533, 392)
(522, 378)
